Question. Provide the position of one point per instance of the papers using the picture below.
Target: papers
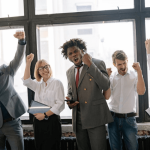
(148, 111)
(36, 107)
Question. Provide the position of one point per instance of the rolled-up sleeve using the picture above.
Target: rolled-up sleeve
(31, 84)
(59, 99)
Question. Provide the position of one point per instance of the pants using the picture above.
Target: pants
(90, 139)
(47, 133)
(125, 127)
(12, 130)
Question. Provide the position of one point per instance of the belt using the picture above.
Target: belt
(9, 119)
(123, 115)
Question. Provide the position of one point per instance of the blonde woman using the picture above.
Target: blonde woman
(49, 91)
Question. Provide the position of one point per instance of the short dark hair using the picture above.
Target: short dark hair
(73, 42)
(119, 54)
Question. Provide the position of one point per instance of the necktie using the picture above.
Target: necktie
(77, 77)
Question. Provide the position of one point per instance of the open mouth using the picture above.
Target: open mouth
(76, 59)
(123, 70)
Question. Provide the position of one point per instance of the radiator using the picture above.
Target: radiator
(69, 143)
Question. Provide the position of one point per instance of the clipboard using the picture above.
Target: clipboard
(37, 107)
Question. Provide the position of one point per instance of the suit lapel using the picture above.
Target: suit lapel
(82, 74)
(72, 77)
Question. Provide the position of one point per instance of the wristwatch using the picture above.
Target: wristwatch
(46, 117)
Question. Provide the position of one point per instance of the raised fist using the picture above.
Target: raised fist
(147, 46)
(19, 35)
(136, 66)
(30, 58)
(109, 71)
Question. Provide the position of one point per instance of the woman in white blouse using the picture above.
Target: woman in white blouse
(49, 91)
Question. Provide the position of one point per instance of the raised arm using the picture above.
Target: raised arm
(27, 81)
(140, 83)
(28, 65)
(147, 46)
(107, 93)
(16, 62)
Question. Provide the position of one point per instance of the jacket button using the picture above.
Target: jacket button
(90, 79)
(84, 89)
(85, 102)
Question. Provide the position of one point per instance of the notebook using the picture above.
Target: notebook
(37, 107)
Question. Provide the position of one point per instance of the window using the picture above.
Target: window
(8, 47)
(108, 37)
(147, 3)
(147, 23)
(65, 6)
(11, 8)
(49, 23)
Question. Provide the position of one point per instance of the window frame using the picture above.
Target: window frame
(30, 21)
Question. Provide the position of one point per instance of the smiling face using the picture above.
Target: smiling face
(45, 72)
(122, 66)
(75, 55)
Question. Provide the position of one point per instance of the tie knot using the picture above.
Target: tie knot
(79, 66)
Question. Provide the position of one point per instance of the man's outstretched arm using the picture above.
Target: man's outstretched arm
(16, 62)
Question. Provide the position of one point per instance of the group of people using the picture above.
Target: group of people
(90, 84)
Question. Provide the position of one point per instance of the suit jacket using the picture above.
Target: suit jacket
(93, 106)
(8, 96)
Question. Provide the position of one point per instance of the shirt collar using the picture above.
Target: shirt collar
(128, 72)
(48, 81)
(81, 66)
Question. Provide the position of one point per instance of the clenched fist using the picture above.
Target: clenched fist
(109, 71)
(19, 35)
(30, 58)
(147, 46)
(136, 66)
(86, 58)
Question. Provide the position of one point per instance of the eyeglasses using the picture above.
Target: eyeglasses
(44, 67)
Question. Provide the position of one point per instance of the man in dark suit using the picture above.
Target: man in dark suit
(11, 105)
(87, 79)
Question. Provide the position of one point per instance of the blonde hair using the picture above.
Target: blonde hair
(37, 76)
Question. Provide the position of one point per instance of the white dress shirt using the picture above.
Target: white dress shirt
(123, 92)
(148, 59)
(51, 95)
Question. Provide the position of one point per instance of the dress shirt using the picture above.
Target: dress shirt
(51, 95)
(148, 59)
(123, 92)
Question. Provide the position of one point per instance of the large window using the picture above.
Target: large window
(147, 3)
(65, 6)
(107, 37)
(147, 23)
(105, 26)
(11, 8)
(8, 47)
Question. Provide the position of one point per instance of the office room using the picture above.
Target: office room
(69, 57)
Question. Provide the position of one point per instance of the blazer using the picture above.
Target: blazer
(93, 107)
(8, 96)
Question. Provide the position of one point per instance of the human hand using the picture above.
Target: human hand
(136, 66)
(29, 58)
(147, 46)
(87, 59)
(39, 116)
(109, 71)
(19, 35)
(72, 104)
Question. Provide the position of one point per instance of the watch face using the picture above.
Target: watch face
(46, 118)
